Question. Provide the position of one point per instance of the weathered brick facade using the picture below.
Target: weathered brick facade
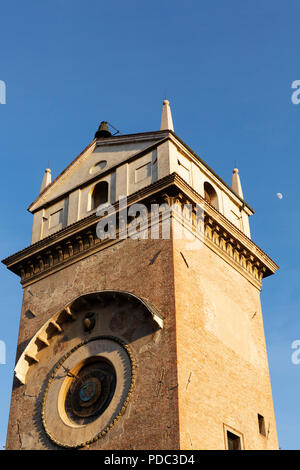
(151, 419)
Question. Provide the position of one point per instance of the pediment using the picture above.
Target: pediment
(97, 158)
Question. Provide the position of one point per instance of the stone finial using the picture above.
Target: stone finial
(46, 179)
(166, 117)
(236, 183)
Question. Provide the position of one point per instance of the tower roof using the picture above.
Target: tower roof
(145, 140)
(113, 151)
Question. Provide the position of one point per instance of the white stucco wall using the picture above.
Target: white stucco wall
(130, 175)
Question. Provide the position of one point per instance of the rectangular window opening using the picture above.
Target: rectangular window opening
(233, 441)
(56, 218)
(261, 424)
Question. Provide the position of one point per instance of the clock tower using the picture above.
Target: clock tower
(141, 324)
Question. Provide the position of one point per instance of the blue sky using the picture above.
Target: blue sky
(227, 69)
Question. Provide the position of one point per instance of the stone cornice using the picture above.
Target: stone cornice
(237, 234)
(79, 240)
(86, 222)
(129, 138)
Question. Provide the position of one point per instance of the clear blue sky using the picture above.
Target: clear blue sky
(227, 69)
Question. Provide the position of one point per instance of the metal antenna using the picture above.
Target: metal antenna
(117, 131)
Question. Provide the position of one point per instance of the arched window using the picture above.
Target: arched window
(99, 194)
(210, 195)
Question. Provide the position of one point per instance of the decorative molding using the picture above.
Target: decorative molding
(79, 240)
(53, 326)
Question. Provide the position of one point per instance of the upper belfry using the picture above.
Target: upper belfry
(126, 164)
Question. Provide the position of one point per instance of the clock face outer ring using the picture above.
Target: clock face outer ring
(58, 426)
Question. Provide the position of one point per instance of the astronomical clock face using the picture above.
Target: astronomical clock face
(91, 390)
(88, 391)
(81, 366)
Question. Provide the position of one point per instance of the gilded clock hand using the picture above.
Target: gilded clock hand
(69, 373)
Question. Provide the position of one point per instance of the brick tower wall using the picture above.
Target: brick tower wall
(223, 371)
(144, 268)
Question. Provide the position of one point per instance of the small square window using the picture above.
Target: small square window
(56, 219)
(261, 424)
(233, 441)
